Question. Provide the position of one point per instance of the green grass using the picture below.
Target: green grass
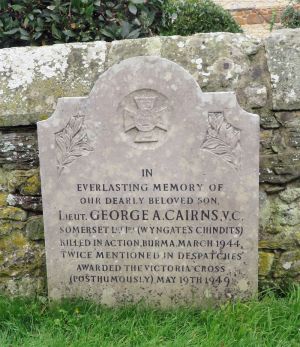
(273, 322)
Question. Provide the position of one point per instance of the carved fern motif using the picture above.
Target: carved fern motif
(223, 139)
(71, 142)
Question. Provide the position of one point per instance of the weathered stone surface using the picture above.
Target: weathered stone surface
(273, 189)
(264, 210)
(280, 216)
(24, 286)
(218, 61)
(268, 120)
(31, 85)
(28, 203)
(266, 138)
(280, 168)
(291, 122)
(32, 78)
(25, 182)
(283, 53)
(289, 264)
(285, 240)
(288, 119)
(256, 95)
(8, 227)
(35, 228)
(13, 213)
(148, 115)
(18, 148)
(285, 214)
(290, 195)
(265, 263)
(19, 257)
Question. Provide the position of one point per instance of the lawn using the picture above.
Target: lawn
(271, 321)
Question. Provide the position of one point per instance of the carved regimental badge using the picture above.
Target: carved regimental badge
(223, 139)
(144, 113)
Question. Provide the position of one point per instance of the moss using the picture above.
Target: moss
(20, 257)
(43, 116)
(12, 242)
(3, 180)
(32, 185)
(279, 244)
(13, 213)
(284, 241)
(8, 227)
(16, 178)
(265, 263)
(3, 197)
(27, 182)
(35, 228)
(283, 216)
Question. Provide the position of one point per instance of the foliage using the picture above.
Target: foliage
(36, 22)
(187, 17)
(290, 17)
(270, 322)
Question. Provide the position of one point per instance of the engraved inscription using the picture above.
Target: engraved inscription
(223, 139)
(71, 142)
(144, 114)
(164, 210)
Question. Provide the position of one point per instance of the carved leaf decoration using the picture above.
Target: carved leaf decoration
(223, 139)
(72, 142)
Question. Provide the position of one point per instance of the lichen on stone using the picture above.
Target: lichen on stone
(265, 263)
(12, 213)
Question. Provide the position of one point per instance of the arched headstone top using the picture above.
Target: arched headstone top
(156, 182)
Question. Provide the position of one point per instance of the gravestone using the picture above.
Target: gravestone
(150, 190)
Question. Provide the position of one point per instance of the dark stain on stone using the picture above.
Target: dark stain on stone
(256, 72)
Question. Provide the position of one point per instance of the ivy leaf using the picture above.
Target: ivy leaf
(76, 3)
(107, 33)
(132, 8)
(17, 8)
(109, 13)
(134, 34)
(53, 21)
(89, 10)
(55, 32)
(69, 33)
(12, 31)
(125, 29)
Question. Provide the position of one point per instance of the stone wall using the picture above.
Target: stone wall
(265, 76)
